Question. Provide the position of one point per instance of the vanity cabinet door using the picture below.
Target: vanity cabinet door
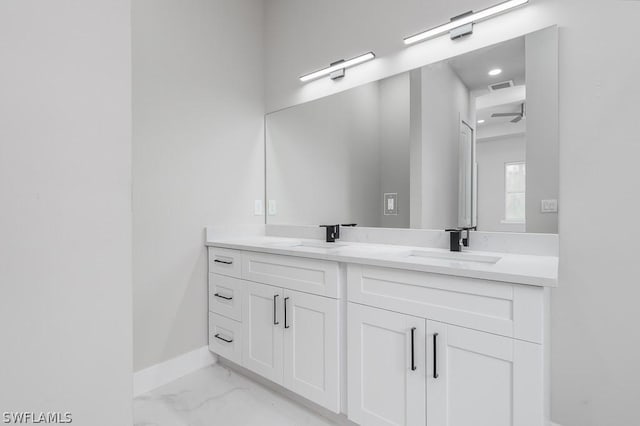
(262, 321)
(386, 367)
(480, 379)
(311, 345)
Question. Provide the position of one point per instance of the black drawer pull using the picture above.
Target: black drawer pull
(275, 304)
(435, 355)
(286, 325)
(226, 262)
(223, 297)
(217, 336)
(413, 355)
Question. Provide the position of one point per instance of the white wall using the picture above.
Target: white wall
(492, 155)
(542, 125)
(65, 221)
(394, 124)
(331, 160)
(596, 377)
(444, 103)
(197, 156)
(323, 160)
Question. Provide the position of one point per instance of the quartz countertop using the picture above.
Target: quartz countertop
(506, 267)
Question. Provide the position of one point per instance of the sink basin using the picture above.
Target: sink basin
(319, 244)
(308, 244)
(463, 257)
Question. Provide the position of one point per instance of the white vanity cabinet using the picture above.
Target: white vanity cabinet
(311, 348)
(262, 331)
(285, 314)
(386, 367)
(478, 378)
(404, 368)
(384, 345)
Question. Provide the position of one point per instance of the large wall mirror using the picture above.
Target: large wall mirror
(471, 141)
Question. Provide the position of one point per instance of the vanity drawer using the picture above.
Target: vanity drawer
(225, 261)
(225, 296)
(499, 308)
(225, 337)
(296, 273)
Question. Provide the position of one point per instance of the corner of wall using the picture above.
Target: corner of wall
(165, 372)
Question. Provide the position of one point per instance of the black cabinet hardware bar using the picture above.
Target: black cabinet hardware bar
(275, 311)
(217, 336)
(435, 355)
(223, 297)
(413, 355)
(286, 325)
(226, 262)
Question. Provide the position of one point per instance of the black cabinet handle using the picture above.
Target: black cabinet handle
(217, 336)
(226, 262)
(413, 356)
(285, 313)
(223, 297)
(435, 355)
(275, 311)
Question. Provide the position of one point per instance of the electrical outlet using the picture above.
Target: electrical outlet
(272, 209)
(257, 208)
(391, 204)
(549, 206)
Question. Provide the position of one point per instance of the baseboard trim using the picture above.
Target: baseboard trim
(160, 374)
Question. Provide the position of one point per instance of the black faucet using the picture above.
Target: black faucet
(456, 241)
(333, 232)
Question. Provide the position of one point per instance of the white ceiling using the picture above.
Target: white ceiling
(473, 67)
(485, 114)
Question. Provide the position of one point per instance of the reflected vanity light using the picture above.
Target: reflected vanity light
(337, 68)
(464, 20)
(480, 121)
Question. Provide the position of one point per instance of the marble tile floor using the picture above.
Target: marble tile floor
(218, 396)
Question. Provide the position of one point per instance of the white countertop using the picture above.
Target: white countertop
(512, 268)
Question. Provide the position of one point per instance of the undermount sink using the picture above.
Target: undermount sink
(463, 257)
(309, 244)
(319, 244)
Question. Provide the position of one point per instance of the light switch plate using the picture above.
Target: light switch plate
(271, 208)
(257, 208)
(391, 204)
(549, 206)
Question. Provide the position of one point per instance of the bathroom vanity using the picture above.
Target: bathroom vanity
(385, 325)
(387, 334)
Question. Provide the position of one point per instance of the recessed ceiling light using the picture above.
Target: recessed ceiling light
(480, 121)
(495, 71)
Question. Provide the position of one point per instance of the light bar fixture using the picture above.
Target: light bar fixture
(464, 20)
(336, 69)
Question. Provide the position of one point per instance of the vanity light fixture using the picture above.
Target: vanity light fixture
(495, 71)
(336, 69)
(462, 25)
(480, 121)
